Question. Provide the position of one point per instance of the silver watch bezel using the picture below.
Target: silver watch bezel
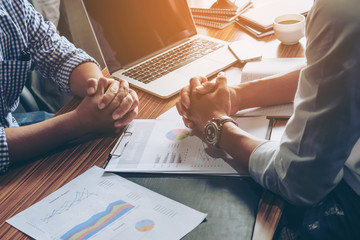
(213, 137)
(217, 124)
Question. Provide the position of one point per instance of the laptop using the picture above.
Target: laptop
(154, 44)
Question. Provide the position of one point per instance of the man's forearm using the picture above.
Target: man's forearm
(239, 144)
(30, 141)
(80, 75)
(272, 90)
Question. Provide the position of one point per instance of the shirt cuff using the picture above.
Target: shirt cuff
(4, 152)
(69, 66)
(261, 161)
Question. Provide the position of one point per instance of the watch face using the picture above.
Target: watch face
(211, 133)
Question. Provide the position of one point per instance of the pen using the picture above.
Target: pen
(277, 117)
(107, 160)
(269, 129)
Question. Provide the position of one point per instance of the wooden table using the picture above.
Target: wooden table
(230, 201)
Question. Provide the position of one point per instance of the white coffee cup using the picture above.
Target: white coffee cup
(289, 28)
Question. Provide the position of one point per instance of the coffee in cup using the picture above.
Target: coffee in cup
(289, 28)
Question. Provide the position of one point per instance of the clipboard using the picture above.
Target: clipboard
(120, 145)
(165, 146)
(276, 127)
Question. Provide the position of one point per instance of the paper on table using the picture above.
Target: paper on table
(264, 11)
(171, 114)
(251, 124)
(277, 132)
(269, 66)
(106, 206)
(281, 110)
(165, 146)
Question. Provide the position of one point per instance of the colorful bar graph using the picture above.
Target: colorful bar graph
(178, 160)
(171, 158)
(166, 158)
(157, 159)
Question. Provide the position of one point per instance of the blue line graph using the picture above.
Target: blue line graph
(79, 197)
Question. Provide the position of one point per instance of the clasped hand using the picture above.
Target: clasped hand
(109, 106)
(203, 100)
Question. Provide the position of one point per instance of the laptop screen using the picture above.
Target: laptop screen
(129, 30)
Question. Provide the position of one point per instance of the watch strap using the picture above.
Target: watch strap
(224, 119)
(220, 121)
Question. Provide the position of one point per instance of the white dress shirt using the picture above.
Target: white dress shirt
(321, 145)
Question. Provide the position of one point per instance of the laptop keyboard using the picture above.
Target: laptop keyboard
(172, 60)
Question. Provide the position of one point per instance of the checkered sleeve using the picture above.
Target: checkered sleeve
(4, 155)
(52, 55)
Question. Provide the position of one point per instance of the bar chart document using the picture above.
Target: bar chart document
(99, 205)
(166, 146)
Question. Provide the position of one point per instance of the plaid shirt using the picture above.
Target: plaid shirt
(23, 30)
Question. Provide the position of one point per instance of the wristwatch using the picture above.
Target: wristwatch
(212, 130)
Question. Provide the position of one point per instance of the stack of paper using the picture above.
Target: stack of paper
(259, 19)
(217, 14)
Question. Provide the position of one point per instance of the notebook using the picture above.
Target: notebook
(220, 17)
(214, 17)
(153, 44)
(224, 7)
(262, 14)
(253, 30)
(213, 24)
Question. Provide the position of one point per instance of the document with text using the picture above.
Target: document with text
(166, 146)
(264, 68)
(99, 205)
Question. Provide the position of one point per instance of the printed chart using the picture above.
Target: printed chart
(177, 134)
(68, 204)
(99, 205)
(99, 221)
(168, 158)
(144, 225)
(167, 146)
